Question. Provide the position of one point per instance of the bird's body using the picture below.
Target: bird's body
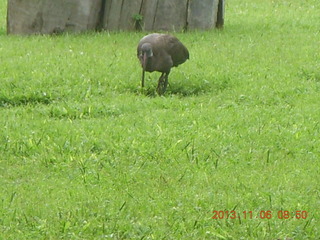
(161, 52)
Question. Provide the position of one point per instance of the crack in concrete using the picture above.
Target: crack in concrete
(101, 15)
(185, 28)
(220, 14)
(120, 16)
(155, 15)
(141, 6)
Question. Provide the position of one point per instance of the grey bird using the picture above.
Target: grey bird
(160, 52)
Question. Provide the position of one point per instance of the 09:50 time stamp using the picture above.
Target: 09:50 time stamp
(260, 215)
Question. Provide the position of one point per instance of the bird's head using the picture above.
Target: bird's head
(146, 52)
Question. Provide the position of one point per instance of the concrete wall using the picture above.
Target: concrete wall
(56, 16)
(52, 16)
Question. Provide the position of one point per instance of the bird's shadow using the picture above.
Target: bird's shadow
(148, 92)
(185, 88)
(173, 90)
(187, 91)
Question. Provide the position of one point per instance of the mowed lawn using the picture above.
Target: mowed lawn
(231, 151)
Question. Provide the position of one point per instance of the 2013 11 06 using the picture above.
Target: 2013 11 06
(263, 214)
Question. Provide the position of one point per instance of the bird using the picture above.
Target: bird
(160, 52)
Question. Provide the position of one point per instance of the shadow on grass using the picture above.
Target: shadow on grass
(84, 111)
(24, 100)
(309, 75)
(184, 89)
(189, 90)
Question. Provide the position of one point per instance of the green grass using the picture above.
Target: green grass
(86, 155)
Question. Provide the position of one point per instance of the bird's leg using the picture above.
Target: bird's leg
(165, 82)
(160, 84)
(142, 79)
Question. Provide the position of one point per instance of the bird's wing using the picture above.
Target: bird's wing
(178, 52)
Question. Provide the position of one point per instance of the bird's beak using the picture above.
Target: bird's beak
(145, 58)
(142, 80)
(144, 65)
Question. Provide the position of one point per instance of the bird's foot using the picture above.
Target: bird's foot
(162, 84)
(161, 89)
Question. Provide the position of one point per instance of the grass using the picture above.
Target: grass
(86, 155)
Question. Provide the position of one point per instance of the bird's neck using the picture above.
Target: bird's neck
(149, 64)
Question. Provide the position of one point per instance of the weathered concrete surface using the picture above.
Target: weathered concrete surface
(169, 15)
(118, 14)
(148, 11)
(48, 16)
(202, 14)
(129, 9)
(112, 14)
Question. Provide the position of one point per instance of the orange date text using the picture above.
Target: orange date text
(282, 214)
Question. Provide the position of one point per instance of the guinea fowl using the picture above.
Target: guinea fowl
(160, 52)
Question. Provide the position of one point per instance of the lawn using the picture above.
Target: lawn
(231, 151)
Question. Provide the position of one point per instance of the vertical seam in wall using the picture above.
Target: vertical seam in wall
(155, 14)
(187, 14)
(220, 14)
(122, 3)
(140, 13)
(99, 25)
(141, 6)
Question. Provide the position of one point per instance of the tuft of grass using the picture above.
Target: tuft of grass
(24, 100)
(138, 21)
